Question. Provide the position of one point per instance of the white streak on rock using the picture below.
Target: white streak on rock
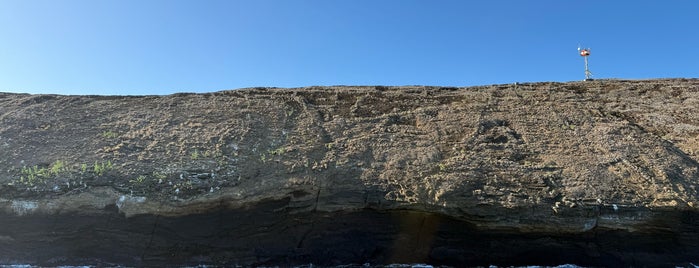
(129, 199)
(23, 207)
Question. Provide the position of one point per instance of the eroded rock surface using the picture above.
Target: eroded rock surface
(274, 176)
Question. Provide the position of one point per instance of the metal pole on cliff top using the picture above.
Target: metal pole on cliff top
(587, 71)
(585, 52)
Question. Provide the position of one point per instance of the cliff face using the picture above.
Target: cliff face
(387, 171)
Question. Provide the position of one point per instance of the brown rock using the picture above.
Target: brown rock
(560, 159)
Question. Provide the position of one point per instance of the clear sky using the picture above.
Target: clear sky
(167, 46)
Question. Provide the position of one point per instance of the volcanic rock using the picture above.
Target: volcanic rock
(601, 173)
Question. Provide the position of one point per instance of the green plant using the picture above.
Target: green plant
(194, 155)
(57, 167)
(35, 174)
(33, 171)
(442, 167)
(101, 168)
(278, 151)
(159, 175)
(568, 126)
(108, 134)
(98, 169)
(29, 180)
(83, 168)
(140, 179)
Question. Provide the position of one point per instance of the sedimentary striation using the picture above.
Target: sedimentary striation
(593, 173)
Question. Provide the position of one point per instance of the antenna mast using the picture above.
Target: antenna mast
(585, 52)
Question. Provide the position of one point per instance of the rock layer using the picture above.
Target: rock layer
(267, 234)
(275, 176)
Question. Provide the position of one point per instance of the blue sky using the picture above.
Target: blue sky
(168, 46)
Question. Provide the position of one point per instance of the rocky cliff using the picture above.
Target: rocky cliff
(592, 173)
